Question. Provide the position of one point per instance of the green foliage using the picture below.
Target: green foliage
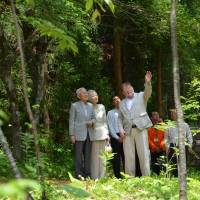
(74, 59)
(46, 28)
(166, 165)
(4, 104)
(91, 3)
(191, 101)
(17, 189)
(107, 155)
(54, 191)
(5, 169)
(27, 144)
(128, 188)
(3, 117)
(97, 6)
(164, 126)
(57, 159)
(60, 162)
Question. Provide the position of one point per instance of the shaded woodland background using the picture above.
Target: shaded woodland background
(64, 50)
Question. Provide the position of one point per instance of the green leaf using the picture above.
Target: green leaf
(36, 106)
(76, 191)
(28, 124)
(110, 5)
(89, 5)
(17, 189)
(3, 116)
(30, 3)
(101, 6)
(96, 16)
(48, 29)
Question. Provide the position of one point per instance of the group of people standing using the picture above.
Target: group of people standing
(127, 127)
(89, 133)
(163, 141)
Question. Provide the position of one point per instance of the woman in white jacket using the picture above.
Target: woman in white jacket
(99, 137)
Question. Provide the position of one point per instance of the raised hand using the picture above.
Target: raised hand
(148, 76)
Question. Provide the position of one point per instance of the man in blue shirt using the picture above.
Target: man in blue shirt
(116, 140)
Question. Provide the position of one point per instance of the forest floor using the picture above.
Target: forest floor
(110, 188)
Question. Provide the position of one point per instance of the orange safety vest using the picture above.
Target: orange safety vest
(156, 139)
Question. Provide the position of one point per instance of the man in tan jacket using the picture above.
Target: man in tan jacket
(133, 124)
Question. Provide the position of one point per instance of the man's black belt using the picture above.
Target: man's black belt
(134, 126)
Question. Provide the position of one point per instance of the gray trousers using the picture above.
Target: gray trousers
(82, 158)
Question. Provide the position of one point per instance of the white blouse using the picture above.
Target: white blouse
(100, 131)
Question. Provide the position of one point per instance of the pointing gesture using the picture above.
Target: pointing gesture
(148, 76)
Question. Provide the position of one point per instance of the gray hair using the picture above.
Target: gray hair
(79, 90)
(92, 93)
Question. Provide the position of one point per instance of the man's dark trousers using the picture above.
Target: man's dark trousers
(83, 157)
(117, 149)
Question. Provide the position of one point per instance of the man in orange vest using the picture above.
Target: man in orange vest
(156, 138)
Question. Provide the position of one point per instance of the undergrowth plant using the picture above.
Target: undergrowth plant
(107, 156)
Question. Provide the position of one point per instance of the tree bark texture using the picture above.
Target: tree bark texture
(15, 124)
(9, 155)
(6, 63)
(11, 159)
(117, 60)
(159, 82)
(40, 90)
(176, 80)
(24, 86)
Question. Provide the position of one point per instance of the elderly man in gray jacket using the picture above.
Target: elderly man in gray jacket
(133, 124)
(81, 120)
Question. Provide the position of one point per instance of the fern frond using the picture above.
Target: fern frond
(48, 29)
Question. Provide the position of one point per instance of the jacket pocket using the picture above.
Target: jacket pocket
(143, 121)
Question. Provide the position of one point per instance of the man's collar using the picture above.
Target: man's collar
(130, 98)
(84, 103)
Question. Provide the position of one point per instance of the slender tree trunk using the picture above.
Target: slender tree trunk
(9, 155)
(159, 82)
(46, 116)
(46, 120)
(6, 62)
(176, 77)
(40, 90)
(11, 159)
(15, 128)
(117, 60)
(24, 86)
(27, 102)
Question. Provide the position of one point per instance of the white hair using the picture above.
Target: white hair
(79, 90)
(92, 93)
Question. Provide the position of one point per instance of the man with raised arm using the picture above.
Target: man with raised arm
(133, 124)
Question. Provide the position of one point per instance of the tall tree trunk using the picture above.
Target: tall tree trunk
(46, 100)
(27, 102)
(37, 51)
(159, 82)
(40, 90)
(11, 159)
(9, 155)
(6, 62)
(176, 77)
(24, 86)
(15, 128)
(117, 59)
(46, 120)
